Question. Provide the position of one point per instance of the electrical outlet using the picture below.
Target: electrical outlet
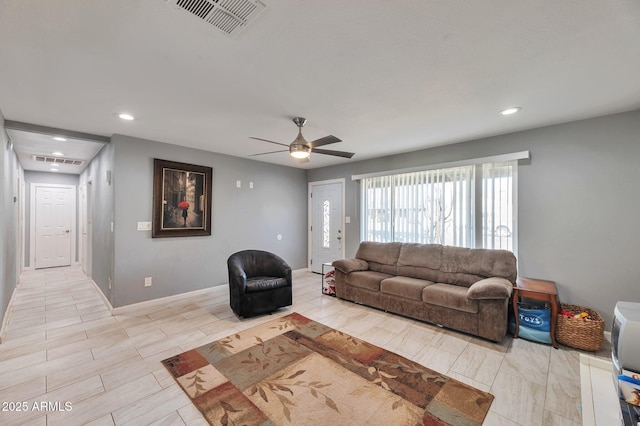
(109, 283)
(147, 281)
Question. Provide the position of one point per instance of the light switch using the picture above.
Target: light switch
(347, 219)
(250, 185)
(144, 226)
(238, 184)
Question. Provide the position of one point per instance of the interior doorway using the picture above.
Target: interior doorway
(326, 218)
(53, 223)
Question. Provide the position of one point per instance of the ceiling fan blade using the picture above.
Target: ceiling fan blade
(265, 140)
(334, 153)
(324, 141)
(270, 152)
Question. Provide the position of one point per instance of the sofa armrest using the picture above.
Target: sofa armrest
(490, 288)
(350, 265)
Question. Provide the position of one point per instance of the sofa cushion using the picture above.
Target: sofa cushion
(366, 279)
(382, 257)
(449, 296)
(409, 288)
(481, 262)
(264, 283)
(421, 255)
(349, 265)
(490, 288)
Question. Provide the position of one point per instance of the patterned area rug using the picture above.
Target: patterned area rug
(295, 371)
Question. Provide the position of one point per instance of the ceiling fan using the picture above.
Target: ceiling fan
(301, 149)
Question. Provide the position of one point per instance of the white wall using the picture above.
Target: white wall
(103, 200)
(578, 203)
(242, 218)
(11, 175)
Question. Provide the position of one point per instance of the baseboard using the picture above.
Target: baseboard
(5, 319)
(161, 301)
(103, 297)
(164, 300)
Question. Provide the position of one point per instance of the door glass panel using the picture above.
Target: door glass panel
(326, 221)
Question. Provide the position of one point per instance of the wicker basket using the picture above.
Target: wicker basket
(579, 334)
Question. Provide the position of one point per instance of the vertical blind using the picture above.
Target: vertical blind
(440, 206)
(498, 201)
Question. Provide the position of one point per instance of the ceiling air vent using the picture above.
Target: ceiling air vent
(229, 16)
(57, 160)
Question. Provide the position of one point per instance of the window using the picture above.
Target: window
(467, 206)
(498, 194)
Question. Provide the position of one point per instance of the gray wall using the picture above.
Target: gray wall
(49, 178)
(11, 177)
(102, 196)
(578, 205)
(242, 219)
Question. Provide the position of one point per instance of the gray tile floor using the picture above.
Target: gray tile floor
(63, 345)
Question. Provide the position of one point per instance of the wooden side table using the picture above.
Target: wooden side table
(538, 290)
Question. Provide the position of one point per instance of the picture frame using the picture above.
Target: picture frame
(181, 199)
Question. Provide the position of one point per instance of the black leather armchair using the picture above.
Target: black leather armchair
(259, 282)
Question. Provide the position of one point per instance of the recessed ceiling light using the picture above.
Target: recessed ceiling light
(58, 154)
(125, 116)
(59, 138)
(510, 111)
(53, 170)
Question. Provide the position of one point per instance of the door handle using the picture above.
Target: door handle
(66, 231)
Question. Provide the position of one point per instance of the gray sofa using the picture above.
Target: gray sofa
(459, 288)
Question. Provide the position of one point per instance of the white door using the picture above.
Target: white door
(54, 209)
(327, 218)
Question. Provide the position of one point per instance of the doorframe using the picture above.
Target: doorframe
(21, 228)
(85, 213)
(342, 182)
(32, 220)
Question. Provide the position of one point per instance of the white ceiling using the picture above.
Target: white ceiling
(385, 77)
(28, 144)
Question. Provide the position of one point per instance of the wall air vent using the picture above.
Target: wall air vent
(229, 16)
(57, 160)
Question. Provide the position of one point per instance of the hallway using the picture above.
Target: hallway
(64, 349)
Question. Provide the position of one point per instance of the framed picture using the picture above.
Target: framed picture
(181, 199)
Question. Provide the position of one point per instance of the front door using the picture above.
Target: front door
(54, 208)
(327, 215)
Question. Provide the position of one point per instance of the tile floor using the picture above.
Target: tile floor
(62, 346)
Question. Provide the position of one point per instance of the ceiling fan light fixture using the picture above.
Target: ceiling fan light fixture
(299, 151)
